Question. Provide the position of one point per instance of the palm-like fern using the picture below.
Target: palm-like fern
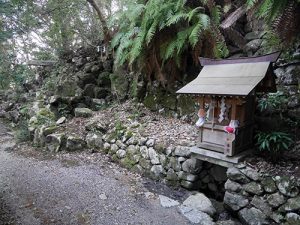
(282, 15)
(159, 34)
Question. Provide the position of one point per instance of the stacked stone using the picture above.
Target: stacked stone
(288, 75)
(261, 199)
(172, 165)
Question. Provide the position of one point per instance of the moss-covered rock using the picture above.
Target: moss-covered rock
(137, 88)
(292, 204)
(50, 130)
(128, 163)
(75, 143)
(45, 114)
(94, 140)
(168, 101)
(269, 185)
(185, 105)
(104, 79)
(66, 89)
(119, 84)
(43, 117)
(150, 102)
(55, 142)
(83, 112)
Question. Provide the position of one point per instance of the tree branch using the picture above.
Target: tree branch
(106, 31)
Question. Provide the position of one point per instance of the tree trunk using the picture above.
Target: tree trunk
(106, 31)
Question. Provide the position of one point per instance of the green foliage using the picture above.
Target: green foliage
(24, 111)
(268, 9)
(273, 101)
(128, 163)
(161, 31)
(282, 16)
(22, 133)
(274, 143)
(118, 131)
(43, 117)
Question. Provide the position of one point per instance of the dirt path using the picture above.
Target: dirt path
(75, 189)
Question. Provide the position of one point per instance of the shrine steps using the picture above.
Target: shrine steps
(219, 158)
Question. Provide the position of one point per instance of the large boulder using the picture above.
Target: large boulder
(55, 142)
(235, 202)
(94, 140)
(236, 175)
(287, 186)
(104, 79)
(292, 204)
(262, 205)
(89, 90)
(83, 112)
(192, 166)
(196, 216)
(253, 188)
(75, 143)
(157, 171)
(269, 185)
(292, 219)
(251, 173)
(85, 78)
(232, 186)
(99, 126)
(276, 200)
(119, 84)
(41, 132)
(252, 46)
(200, 202)
(154, 158)
(182, 151)
(66, 89)
(252, 216)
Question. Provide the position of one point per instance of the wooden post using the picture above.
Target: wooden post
(201, 102)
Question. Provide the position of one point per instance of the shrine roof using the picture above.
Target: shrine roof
(229, 77)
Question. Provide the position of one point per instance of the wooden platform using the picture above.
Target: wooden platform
(219, 158)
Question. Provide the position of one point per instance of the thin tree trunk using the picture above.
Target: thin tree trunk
(106, 31)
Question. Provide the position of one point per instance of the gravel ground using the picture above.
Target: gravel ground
(77, 188)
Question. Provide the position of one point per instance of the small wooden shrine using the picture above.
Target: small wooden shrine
(225, 91)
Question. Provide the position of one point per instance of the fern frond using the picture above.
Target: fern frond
(135, 11)
(180, 4)
(176, 18)
(171, 47)
(116, 40)
(136, 48)
(151, 31)
(276, 8)
(182, 38)
(251, 3)
(195, 34)
(192, 13)
(216, 14)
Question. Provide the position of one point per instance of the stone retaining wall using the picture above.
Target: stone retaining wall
(262, 199)
(172, 165)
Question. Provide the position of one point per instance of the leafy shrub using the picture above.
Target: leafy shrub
(273, 101)
(273, 142)
(22, 134)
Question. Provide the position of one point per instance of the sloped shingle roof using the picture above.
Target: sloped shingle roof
(227, 79)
